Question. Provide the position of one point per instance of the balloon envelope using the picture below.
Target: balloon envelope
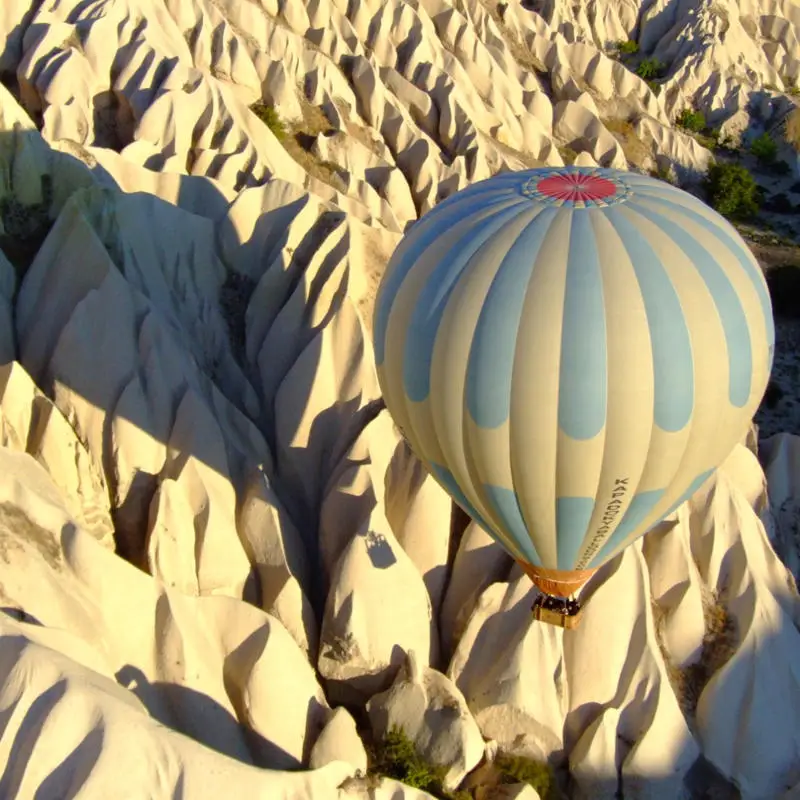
(571, 352)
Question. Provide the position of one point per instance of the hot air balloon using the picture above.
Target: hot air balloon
(571, 352)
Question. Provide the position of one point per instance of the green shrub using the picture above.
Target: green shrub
(568, 154)
(655, 88)
(726, 142)
(663, 173)
(691, 120)
(395, 756)
(764, 148)
(732, 191)
(539, 775)
(269, 116)
(627, 48)
(650, 68)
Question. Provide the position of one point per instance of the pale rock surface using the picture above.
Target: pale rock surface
(199, 665)
(579, 129)
(194, 375)
(584, 159)
(199, 195)
(377, 609)
(30, 423)
(479, 561)
(97, 730)
(676, 150)
(746, 732)
(387, 789)
(508, 708)
(339, 741)
(781, 458)
(515, 791)
(419, 512)
(105, 378)
(679, 596)
(593, 758)
(433, 714)
(275, 547)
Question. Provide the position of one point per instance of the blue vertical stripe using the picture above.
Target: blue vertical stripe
(431, 227)
(729, 307)
(493, 349)
(693, 487)
(573, 515)
(737, 249)
(672, 349)
(583, 379)
(427, 314)
(506, 505)
(641, 505)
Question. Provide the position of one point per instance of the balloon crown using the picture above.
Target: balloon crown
(587, 188)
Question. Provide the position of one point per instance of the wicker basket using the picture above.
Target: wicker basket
(557, 618)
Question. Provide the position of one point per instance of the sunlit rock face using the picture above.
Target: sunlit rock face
(223, 572)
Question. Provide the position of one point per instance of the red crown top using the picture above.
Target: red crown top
(575, 186)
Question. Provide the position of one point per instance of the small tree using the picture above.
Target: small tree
(269, 116)
(691, 120)
(764, 148)
(650, 68)
(732, 191)
(627, 48)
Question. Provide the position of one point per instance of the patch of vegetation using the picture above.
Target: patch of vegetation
(360, 133)
(655, 87)
(73, 41)
(663, 173)
(792, 129)
(269, 116)
(568, 154)
(298, 138)
(537, 774)
(719, 644)
(626, 47)
(25, 227)
(694, 121)
(395, 756)
(691, 120)
(634, 148)
(651, 69)
(732, 191)
(709, 138)
(765, 149)
(520, 51)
